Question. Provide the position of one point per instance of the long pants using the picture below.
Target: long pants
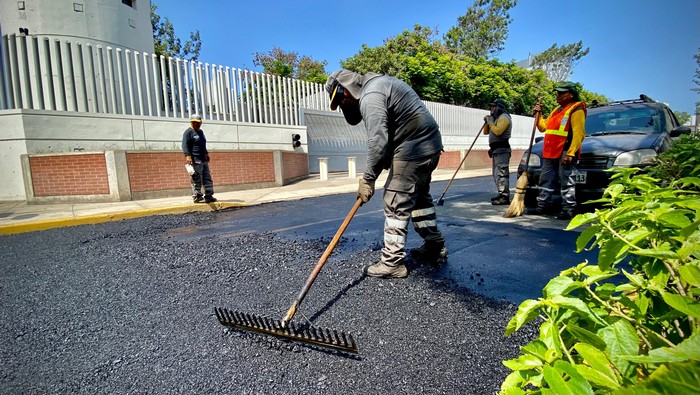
(201, 177)
(553, 173)
(500, 170)
(407, 197)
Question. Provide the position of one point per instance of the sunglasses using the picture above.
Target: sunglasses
(338, 94)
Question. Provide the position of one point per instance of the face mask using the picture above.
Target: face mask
(352, 114)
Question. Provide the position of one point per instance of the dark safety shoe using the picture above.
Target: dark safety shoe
(495, 197)
(198, 199)
(501, 201)
(382, 270)
(210, 199)
(431, 253)
(536, 211)
(565, 215)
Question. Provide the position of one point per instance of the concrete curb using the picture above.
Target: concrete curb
(100, 218)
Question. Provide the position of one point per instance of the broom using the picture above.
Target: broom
(440, 201)
(517, 206)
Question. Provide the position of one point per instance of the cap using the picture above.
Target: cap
(566, 86)
(348, 81)
(195, 118)
(497, 102)
(340, 82)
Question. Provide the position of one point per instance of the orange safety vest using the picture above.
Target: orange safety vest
(557, 134)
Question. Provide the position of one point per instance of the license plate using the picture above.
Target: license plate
(581, 177)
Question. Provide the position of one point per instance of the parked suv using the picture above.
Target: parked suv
(627, 133)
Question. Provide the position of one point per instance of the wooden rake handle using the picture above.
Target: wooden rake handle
(460, 163)
(322, 261)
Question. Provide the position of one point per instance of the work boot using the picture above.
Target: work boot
(431, 253)
(565, 215)
(536, 211)
(501, 201)
(210, 199)
(495, 197)
(198, 199)
(382, 270)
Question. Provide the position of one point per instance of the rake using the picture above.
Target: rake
(440, 200)
(285, 328)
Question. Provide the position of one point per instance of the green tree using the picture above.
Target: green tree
(682, 116)
(290, 65)
(558, 62)
(390, 58)
(167, 44)
(483, 30)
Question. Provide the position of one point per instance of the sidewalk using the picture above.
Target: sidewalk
(20, 217)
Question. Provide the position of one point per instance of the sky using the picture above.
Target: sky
(636, 46)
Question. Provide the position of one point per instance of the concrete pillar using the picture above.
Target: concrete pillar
(118, 176)
(323, 168)
(352, 168)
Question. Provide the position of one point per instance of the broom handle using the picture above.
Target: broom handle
(532, 138)
(460, 163)
(321, 262)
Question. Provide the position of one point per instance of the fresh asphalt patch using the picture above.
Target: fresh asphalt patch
(128, 307)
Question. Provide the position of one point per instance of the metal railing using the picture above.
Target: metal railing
(51, 74)
(42, 73)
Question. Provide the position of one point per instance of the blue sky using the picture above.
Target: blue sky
(636, 46)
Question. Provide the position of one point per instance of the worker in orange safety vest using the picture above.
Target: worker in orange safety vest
(564, 130)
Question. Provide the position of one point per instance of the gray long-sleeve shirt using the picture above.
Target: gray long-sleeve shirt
(399, 126)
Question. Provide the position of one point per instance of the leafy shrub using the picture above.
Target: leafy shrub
(629, 324)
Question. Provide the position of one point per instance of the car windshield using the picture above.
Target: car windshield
(621, 120)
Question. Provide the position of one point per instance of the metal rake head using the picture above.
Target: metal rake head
(301, 333)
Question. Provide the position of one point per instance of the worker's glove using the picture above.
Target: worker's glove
(488, 119)
(365, 190)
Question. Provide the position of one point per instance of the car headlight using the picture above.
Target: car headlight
(635, 158)
(534, 160)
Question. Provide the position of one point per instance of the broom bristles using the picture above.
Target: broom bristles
(517, 205)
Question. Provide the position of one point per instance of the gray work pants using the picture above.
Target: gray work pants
(500, 170)
(407, 197)
(553, 173)
(201, 177)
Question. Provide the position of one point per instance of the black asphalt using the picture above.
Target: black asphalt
(127, 307)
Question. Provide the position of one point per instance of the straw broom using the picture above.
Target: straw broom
(517, 205)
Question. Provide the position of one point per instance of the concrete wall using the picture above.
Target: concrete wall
(44, 132)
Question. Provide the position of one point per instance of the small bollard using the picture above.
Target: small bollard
(323, 168)
(352, 169)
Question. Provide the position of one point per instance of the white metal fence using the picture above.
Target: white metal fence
(51, 74)
(44, 73)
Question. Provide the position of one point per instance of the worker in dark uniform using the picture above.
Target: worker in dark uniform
(194, 146)
(404, 138)
(498, 128)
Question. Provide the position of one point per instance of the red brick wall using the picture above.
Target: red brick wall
(294, 165)
(78, 174)
(157, 171)
(449, 160)
(476, 158)
(241, 167)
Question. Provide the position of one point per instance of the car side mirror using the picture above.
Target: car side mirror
(538, 139)
(680, 130)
